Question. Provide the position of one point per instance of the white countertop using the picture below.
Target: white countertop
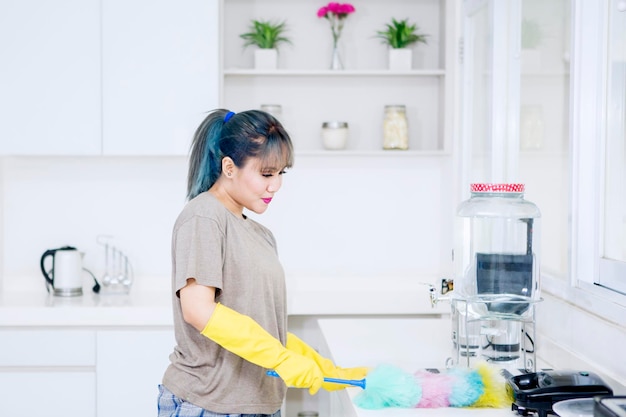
(42, 309)
(409, 343)
(306, 296)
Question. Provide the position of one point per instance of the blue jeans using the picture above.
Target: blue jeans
(172, 406)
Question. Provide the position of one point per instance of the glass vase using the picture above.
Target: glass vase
(336, 63)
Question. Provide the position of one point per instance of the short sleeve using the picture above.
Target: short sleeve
(198, 252)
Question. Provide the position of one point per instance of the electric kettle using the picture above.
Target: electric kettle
(65, 277)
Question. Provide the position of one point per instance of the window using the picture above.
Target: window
(544, 151)
(544, 103)
(612, 271)
(515, 109)
(599, 107)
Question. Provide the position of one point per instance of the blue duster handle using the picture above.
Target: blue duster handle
(354, 382)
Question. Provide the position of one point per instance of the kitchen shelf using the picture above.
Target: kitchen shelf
(545, 73)
(377, 154)
(330, 73)
(311, 94)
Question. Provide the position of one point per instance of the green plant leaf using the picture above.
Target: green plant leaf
(265, 34)
(401, 34)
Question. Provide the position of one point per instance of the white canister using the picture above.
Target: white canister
(335, 135)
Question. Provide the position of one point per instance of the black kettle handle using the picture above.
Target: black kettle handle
(49, 252)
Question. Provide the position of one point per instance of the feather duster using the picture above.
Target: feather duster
(388, 386)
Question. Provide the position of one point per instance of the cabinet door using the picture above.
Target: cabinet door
(53, 394)
(51, 367)
(130, 366)
(50, 97)
(160, 73)
(50, 348)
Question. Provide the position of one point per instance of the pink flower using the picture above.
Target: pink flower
(339, 10)
(336, 13)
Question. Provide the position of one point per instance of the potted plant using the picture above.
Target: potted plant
(267, 36)
(399, 35)
(532, 36)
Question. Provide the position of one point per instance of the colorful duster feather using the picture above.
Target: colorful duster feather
(388, 386)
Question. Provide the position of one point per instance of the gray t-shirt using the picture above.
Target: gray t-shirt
(238, 257)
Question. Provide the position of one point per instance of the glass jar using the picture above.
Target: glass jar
(496, 281)
(497, 247)
(395, 128)
(334, 135)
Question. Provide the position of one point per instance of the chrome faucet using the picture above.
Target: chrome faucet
(447, 286)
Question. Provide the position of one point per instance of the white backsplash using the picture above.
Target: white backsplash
(52, 202)
(374, 216)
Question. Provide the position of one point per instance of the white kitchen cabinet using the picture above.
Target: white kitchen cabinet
(160, 74)
(47, 348)
(50, 96)
(77, 372)
(54, 368)
(130, 367)
(311, 94)
(49, 393)
(106, 77)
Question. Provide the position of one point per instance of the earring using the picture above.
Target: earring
(229, 173)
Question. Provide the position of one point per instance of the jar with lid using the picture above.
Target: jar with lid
(395, 128)
(335, 135)
(496, 281)
(497, 247)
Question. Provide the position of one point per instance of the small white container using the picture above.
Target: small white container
(265, 59)
(400, 59)
(335, 135)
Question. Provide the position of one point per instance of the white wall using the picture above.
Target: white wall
(374, 216)
(573, 337)
(57, 201)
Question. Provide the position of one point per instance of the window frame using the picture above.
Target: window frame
(588, 110)
(612, 272)
(587, 113)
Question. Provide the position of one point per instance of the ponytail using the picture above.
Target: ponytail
(205, 162)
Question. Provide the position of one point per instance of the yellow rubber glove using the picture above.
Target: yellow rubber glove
(295, 344)
(244, 337)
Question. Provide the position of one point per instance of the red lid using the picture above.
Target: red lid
(497, 188)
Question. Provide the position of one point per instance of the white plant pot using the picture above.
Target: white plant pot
(400, 59)
(265, 59)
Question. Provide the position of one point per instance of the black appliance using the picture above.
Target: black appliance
(537, 392)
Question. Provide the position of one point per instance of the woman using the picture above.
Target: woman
(229, 298)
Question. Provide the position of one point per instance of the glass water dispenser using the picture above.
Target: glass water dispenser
(496, 282)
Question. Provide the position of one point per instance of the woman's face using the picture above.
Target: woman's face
(253, 186)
